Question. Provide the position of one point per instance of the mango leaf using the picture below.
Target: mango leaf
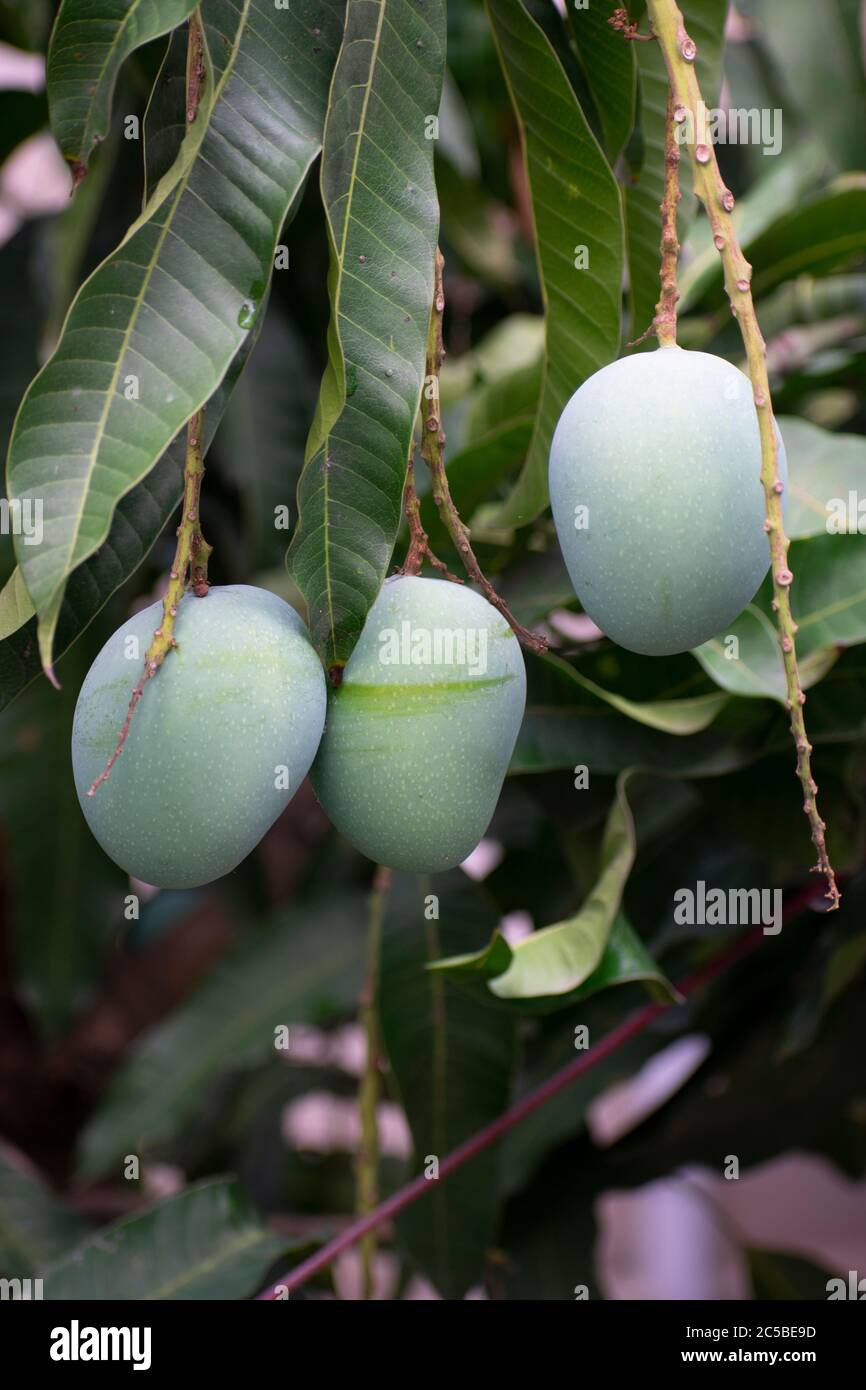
(305, 967)
(823, 469)
(705, 23)
(137, 523)
(565, 726)
(681, 717)
(577, 213)
(451, 1058)
(557, 960)
(89, 43)
(609, 68)
(185, 286)
(383, 221)
(206, 1243)
(35, 1226)
(828, 599)
(624, 961)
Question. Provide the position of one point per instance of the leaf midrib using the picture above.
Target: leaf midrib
(326, 445)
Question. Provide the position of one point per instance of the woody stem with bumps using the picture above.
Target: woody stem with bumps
(433, 453)
(679, 52)
(192, 550)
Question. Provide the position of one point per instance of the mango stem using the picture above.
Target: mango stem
(679, 54)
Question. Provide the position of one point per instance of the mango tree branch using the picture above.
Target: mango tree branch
(433, 453)
(192, 550)
(483, 1138)
(689, 111)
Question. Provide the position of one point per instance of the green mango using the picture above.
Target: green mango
(222, 737)
(656, 495)
(421, 730)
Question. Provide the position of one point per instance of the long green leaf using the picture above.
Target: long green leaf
(383, 221)
(89, 43)
(183, 288)
(575, 204)
(206, 1243)
(451, 1058)
(304, 968)
(705, 22)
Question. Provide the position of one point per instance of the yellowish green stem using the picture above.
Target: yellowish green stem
(679, 51)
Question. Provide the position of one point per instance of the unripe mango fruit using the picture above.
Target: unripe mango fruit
(420, 733)
(223, 735)
(656, 495)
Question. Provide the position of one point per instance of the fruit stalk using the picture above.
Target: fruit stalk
(367, 1168)
(192, 550)
(419, 541)
(679, 52)
(433, 453)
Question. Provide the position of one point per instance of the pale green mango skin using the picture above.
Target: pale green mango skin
(663, 448)
(194, 789)
(413, 757)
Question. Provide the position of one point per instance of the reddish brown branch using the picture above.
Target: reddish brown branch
(419, 542)
(433, 453)
(501, 1126)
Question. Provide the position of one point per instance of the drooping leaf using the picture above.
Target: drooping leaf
(828, 599)
(452, 1059)
(205, 1243)
(578, 223)
(306, 967)
(383, 223)
(557, 960)
(705, 23)
(88, 45)
(824, 469)
(184, 287)
(566, 725)
(681, 717)
(35, 1226)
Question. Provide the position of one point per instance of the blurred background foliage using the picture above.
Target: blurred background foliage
(155, 1036)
